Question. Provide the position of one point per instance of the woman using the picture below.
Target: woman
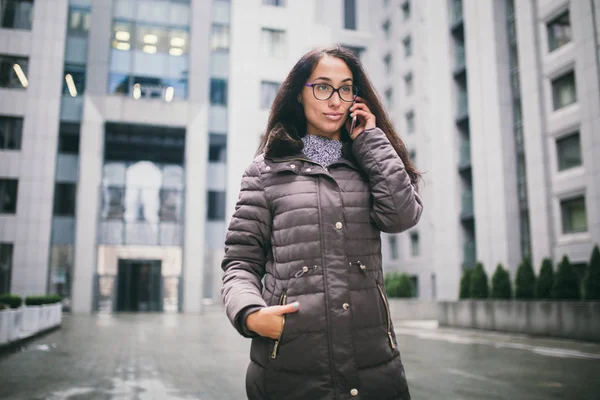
(308, 220)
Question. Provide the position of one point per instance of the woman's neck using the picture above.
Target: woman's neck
(332, 136)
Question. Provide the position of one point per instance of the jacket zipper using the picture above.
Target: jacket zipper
(329, 342)
(282, 301)
(389, 317)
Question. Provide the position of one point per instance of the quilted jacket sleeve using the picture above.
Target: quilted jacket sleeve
(246, 245)
(396, 204)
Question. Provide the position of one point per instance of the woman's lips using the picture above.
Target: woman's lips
(334, 116)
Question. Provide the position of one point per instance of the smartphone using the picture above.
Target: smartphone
(353, 124)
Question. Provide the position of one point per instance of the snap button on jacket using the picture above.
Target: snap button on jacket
(304, 233)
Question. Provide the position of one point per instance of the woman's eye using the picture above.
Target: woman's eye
(322, 87)
(346, 89)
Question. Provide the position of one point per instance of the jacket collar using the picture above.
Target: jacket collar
(286, 145)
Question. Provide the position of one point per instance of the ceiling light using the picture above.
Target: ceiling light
(150, 39)
(71, 85)
(169, 94)
(122, 35)
(177, 42)
(122, 46)
(137, 91)
(175, 51)
(21, 75)
(149, 49)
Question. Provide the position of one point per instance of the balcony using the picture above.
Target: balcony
(466, 213)
(469, 254)
(464, 162)
(462, 107)
(460, 62)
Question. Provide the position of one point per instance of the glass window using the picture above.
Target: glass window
(387, 60)
(13, 72)
(414, 244)
(219, 38)
(407, 42)
(122, 35)
(216, 206)
(415, 284)
(74, 83)
(357, 51)
(410, 122)
(406, 10)
(408, 84)
(273, 43)
(393, 241)
(218, 91)
(11, 130)
(152, 39)
(268, 92)
(276, 3)
(574, 217)
(113, 203)
(564, 92)
(79, 20)
(179, 40)
(6, 256)
(61, 270)
(16, 14)
(217, 148)
(171, 201)
(569, 151)
(64, 199)
(559, 31)
(8, 196)
(413, 156)
(350, 14)
(68, 138)
(389, 97)
(387, 29)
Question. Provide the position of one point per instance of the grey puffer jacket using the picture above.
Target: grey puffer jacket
(313, 234)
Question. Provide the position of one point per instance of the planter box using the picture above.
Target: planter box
(15, 324)
(4, 323)
(567, 319)
(412, 309)
(31, 319)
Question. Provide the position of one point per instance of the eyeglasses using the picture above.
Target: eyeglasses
(324, 91)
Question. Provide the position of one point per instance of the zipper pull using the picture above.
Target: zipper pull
(391, 340)
(301, 272)
(274, 353)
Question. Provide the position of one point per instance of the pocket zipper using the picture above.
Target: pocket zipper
(389, 317)
(282, 301)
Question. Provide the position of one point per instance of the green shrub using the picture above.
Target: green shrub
(11, 300)
(398, 285)
(479, 283)
(525, 281)
(566, 283)
(41, 300)
(501, 287)
(591, 282)
(545, 280)
(465, 284)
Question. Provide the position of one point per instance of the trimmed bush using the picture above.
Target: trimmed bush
(525, 281)
(544, 282)
(479, 283)
(11, 300)
(41, 300)
(465, 284)
(591, 282)
(398, 285)
(501, 287)
(566, 283)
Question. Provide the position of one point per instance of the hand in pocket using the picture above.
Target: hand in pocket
(268, 321)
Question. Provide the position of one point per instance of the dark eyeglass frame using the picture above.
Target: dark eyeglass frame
(354, 91)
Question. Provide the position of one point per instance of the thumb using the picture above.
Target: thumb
(288, 308)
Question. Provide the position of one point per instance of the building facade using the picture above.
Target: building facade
(125, 126)
(499, 102)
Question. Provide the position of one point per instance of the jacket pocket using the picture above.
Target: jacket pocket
(282, 302)
(388, 316)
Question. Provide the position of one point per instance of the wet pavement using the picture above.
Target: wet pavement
(173, 357)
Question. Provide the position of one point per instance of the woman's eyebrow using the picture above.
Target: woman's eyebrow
(328, 79)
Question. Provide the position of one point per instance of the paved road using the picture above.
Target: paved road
(176, 357)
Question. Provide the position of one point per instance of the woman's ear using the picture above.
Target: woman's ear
(300, 99)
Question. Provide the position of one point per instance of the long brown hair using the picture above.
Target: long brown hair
(286, 109)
